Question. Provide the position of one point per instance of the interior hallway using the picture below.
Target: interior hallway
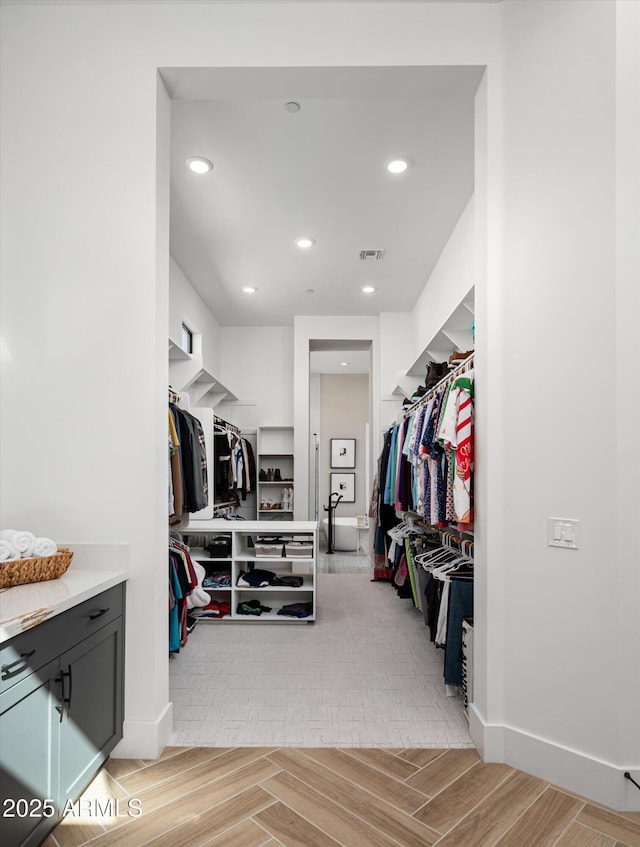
(363, 675)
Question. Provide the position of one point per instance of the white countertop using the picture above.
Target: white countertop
(24, 606)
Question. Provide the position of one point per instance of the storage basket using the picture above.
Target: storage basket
(219, 547)
(268, 547)
(298, 549)
(38, 569)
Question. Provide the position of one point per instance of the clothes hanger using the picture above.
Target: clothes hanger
(435, 557)
(443, 572)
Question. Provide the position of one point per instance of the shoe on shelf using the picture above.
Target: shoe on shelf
(457, 358)
(435, 372)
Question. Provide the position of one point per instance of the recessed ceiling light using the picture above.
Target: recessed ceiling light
(304, 243)
(368, 289)
(199, 165)
(292, 106)
(344, 364)
(397, 166)
(249, 289)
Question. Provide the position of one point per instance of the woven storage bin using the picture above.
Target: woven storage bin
(270, 546)
(298, 549)
(39, 569)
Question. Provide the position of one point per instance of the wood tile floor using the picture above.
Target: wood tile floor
(323, 797)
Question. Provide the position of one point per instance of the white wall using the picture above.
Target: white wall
(186, 306)
(84, 311)
(628, 406)
(85, 317)
(405, 337)
(397, 348)
(315, 500)
(258, 361)
(449, 283)
(345, 412)
(559, 305)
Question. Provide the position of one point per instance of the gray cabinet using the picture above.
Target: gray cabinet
(27, 771)
(60, 716)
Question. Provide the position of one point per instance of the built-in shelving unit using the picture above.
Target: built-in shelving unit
(455, 334)
(253, 548)
(187, 373)
(275, 459)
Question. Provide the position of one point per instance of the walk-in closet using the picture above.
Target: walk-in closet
(383, 258)
(296, 632)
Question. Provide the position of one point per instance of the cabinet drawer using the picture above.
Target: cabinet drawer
(32, 649)
(82, 620)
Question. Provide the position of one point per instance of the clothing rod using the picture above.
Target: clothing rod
(226, 425)
(450, 533)
(453, 374)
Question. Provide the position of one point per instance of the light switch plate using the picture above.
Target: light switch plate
(563, 532)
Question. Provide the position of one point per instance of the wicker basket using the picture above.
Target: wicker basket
(21, 571)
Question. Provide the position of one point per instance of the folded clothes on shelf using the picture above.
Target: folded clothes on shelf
(222, 580)
(252, 607)
(297, 610)
(255, 578)
(215, 609)
(288, 581)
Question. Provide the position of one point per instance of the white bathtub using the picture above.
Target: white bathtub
(346, 533)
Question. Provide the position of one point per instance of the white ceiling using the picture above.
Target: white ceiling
(330, 361)
(319, 172)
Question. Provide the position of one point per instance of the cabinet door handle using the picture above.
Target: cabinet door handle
(66, 701)
(9, 670)
(99, 614)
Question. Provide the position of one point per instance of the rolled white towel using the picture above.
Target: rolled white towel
(21, 539)
(45, 547)
(7, 551)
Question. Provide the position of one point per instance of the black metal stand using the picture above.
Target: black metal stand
(331, 508)
(628, 776)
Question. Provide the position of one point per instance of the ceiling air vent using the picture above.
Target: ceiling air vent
(375, 255)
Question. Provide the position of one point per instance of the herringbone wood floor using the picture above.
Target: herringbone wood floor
(326, 797)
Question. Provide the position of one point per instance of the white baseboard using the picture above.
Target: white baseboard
(145, 739)
(600, 781)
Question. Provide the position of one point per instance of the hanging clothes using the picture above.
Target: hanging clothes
(235, 471)
(427, 462)
(175, 466)
(183, 580)
(382, 514)
(188, 463)
(456, 433)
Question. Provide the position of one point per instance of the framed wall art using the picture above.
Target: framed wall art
(343, 452)
(344, 484)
